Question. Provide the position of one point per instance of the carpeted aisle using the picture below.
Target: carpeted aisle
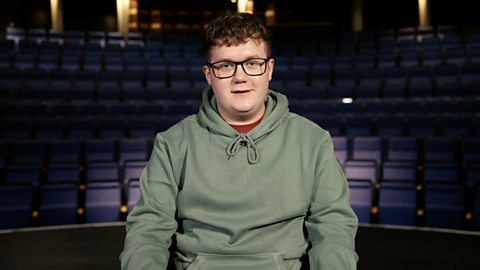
(92, 247)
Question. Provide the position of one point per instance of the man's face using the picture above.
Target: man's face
(240, 98)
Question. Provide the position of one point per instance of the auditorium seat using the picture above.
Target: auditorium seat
(397, 203)
(422, 125)
(390, 125)
(456, 125)
(48, 128)
(102, 171)
(22, 174)
(132, 170)
(64, 150)
(358, 125)
(16, 203)
(100, 150)
(341, 148)
(112, 127)
(361, 198)
(143, 127)
(28, 152)
(446, 172)
(130, 149)
(361, 170)
(444, 206)
(470, 151)
(102, 202)
(476, 207)
(58, 204)
(403, 149)
(399, 171)
(81, 127)
(63, 173)
(133, 194)
(367, 148)
(440, 149)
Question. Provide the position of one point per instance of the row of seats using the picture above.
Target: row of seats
(66, 203)
(383, 106)
(126, 124)
(371, 154)
(440, 205)
(132, 58)
(436, 205)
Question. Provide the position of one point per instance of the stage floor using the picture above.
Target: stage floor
(98, 247)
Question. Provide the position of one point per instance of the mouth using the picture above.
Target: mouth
(239, 92)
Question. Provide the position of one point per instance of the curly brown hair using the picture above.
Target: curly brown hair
(234, 29)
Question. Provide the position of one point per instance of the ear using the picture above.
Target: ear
(271, 64)
(207, 72)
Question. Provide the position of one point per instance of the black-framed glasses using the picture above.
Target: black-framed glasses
(251, 67)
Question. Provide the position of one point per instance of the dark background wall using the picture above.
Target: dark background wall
(378, 14)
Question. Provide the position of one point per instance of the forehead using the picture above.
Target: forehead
(237, 52)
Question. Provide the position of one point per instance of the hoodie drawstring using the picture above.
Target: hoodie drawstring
(234, 147)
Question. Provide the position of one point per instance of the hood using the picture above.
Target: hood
(276, 109)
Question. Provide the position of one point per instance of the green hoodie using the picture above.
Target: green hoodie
(241, 201)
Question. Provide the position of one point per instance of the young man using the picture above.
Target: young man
(244, 183)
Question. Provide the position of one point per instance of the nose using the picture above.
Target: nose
(239, 72)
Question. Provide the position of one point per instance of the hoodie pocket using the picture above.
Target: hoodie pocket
(269, 261)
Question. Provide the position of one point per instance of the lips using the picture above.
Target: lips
(240, 91)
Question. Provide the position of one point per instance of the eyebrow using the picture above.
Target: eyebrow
(231, 60)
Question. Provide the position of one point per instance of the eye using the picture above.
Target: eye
(224, 65)
(253, 63)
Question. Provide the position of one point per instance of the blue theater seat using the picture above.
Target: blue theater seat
(133, 194)
(58, 204)
(399, 171)
(397, 203)
(132, 170)
(444, 206)
(403, 149)
(132, 149)
(102, 171)
(16, 203)
(341, 148)
(102, 202)
(361, 197)
(361, 170)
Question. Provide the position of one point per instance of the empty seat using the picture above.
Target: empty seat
(102, 202)
(132, 149)
(102, 171)
(16, 203)
(476, 207)
(440, 149)
(403, 148)
(444, 206)
(58, 204)
(63, 151)
(397, 203)
(132, 170)
(448, 172)
(63, 172)
(399, 171)
(361, 170)
(470, 151)
(133, 194)
(390, 125)
(28, 152)
(367, 148)
(100, 150)
(361, 198)
(22, 174)
(340, 145)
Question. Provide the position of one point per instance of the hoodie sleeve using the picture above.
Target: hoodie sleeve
(151, 224)
(332, 224)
